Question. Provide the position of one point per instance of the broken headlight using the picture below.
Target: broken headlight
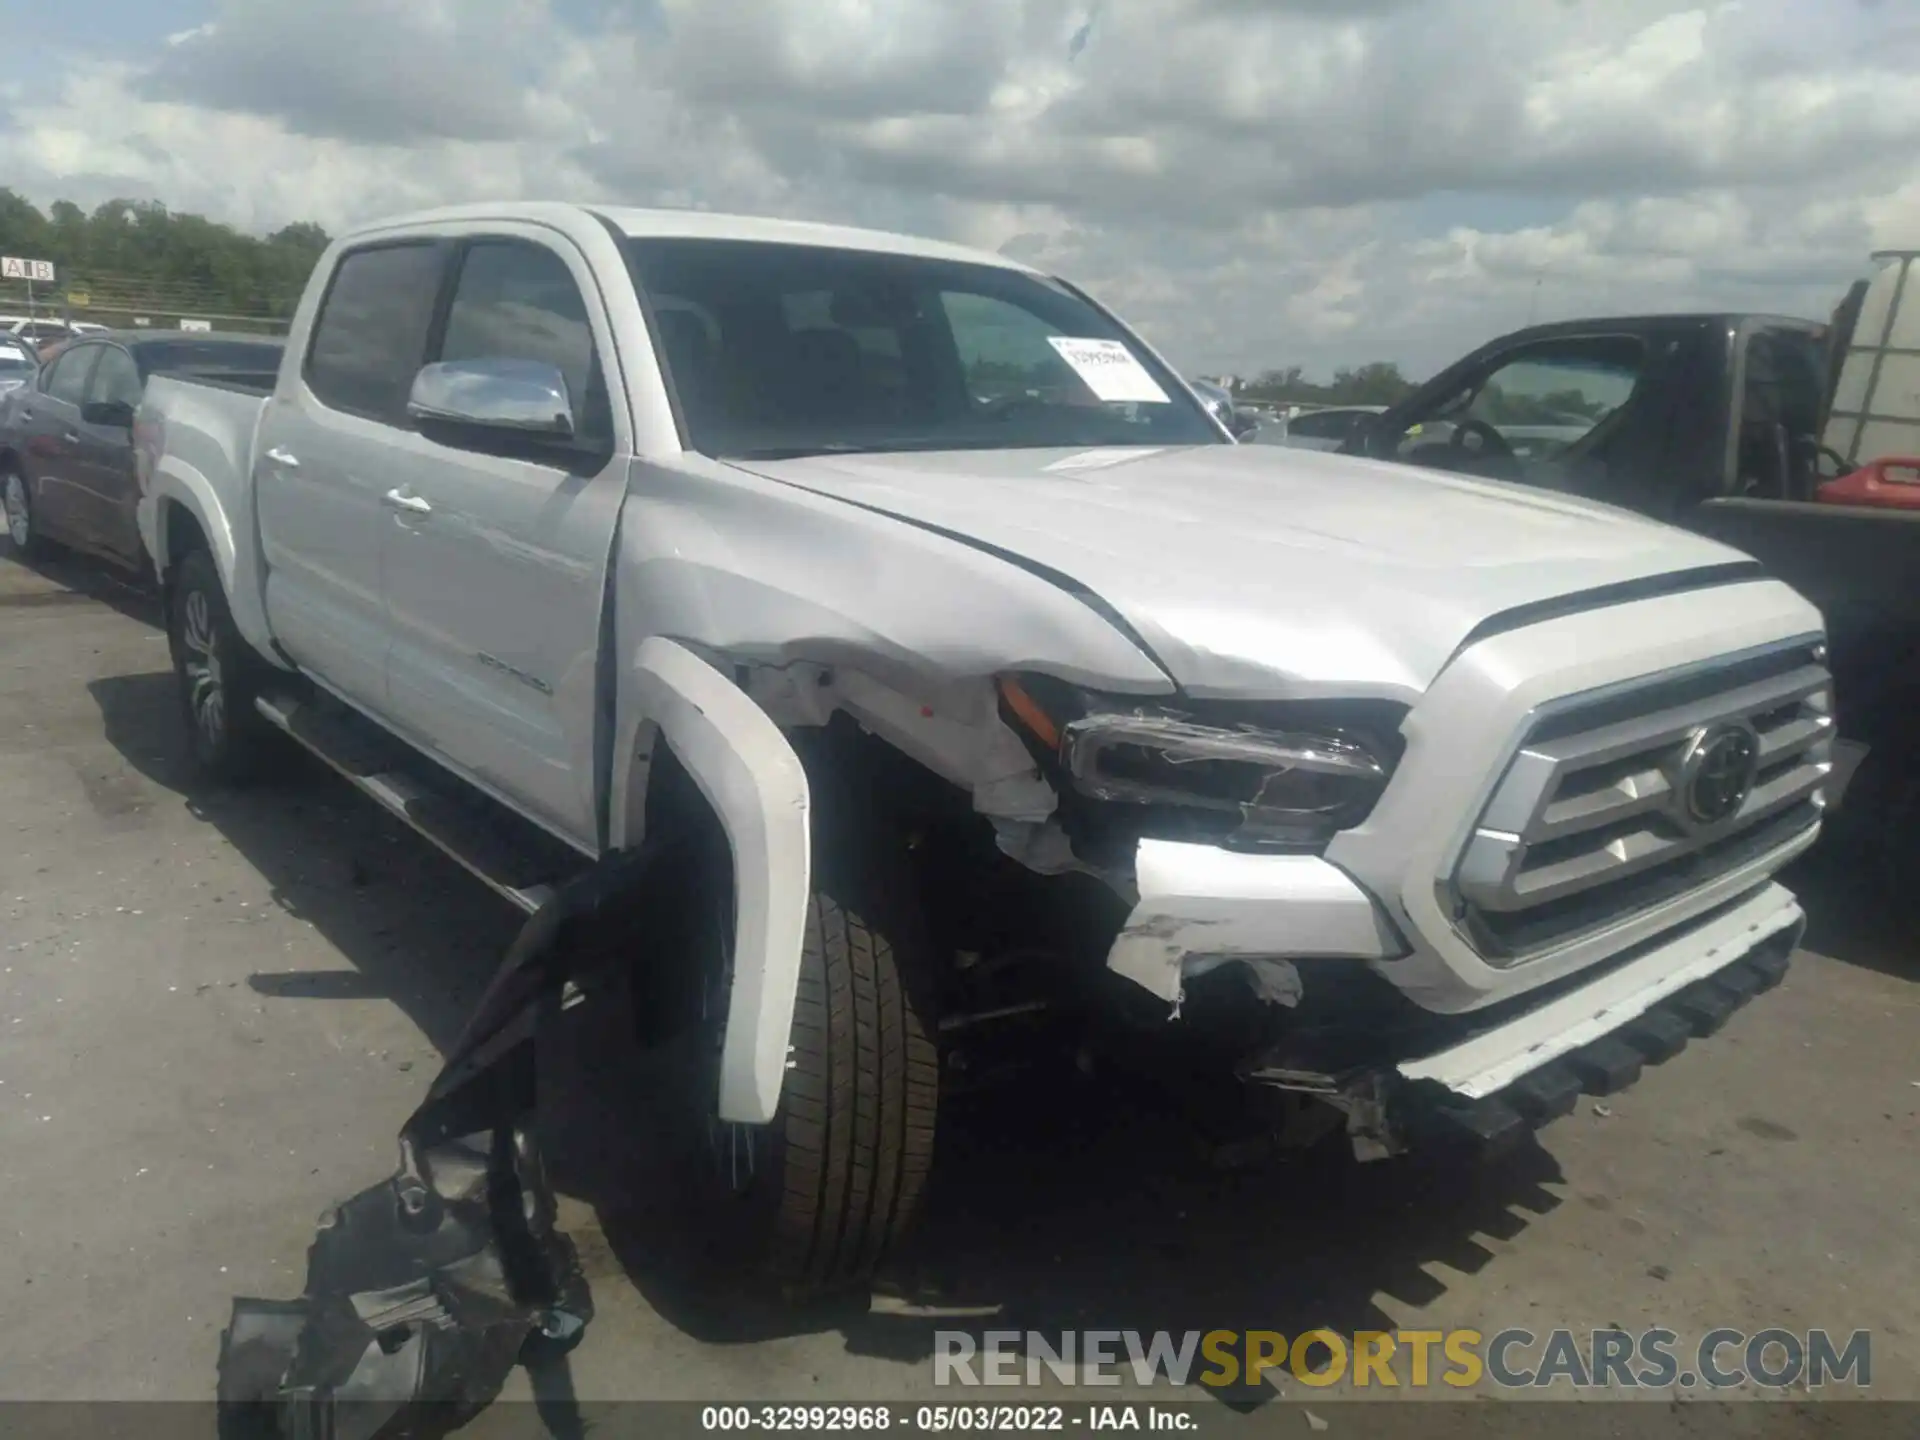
(1275, 777)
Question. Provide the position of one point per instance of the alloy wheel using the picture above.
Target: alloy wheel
(206, 690)
(19, 515)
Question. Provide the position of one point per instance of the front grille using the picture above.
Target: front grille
(1619, 803)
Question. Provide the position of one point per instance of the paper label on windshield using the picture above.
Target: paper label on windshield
(1109, 369)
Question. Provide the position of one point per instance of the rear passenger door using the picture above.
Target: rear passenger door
(496, 571)
(331, 448)
(50, 445)
(103, 466)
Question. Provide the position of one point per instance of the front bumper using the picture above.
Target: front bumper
(1199, 906)
(1568, 1027)
(1485, 1081)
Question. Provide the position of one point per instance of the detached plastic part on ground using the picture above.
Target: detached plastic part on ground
(425, 1290)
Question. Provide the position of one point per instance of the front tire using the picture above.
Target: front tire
(813, 1204)
(217, 674)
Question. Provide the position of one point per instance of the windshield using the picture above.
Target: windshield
(778, 350)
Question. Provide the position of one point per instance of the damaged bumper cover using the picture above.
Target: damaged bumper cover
(1199, 907)
(424, 1290)
(1488, 1080)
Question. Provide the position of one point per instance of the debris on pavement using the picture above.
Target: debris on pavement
(424, 1290)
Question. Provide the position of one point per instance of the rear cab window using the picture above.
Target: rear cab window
(1776, 429)
(369, 339)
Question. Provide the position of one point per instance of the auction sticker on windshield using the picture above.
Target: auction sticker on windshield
(1109, 369)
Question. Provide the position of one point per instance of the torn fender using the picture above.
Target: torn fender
(757, 787)
(423, 1291)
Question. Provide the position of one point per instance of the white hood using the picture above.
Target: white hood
(1257, 570)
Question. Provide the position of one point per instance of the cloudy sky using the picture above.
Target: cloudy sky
(1253, 182)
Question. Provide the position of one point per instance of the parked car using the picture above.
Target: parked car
(1322, 429)
(1219, 403)
(66, 433)
(17, 365)
(923, 733)
(40, 332)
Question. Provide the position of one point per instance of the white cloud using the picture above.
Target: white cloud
(1280, 182)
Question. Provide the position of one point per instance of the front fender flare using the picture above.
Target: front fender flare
(758, 788)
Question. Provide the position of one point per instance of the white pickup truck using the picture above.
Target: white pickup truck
(977, 684)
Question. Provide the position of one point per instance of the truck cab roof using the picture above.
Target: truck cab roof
(638, 223)
(1728, 320)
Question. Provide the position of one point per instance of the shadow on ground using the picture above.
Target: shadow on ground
(81, 580)
(1071, 1202)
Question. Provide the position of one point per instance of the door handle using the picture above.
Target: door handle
(412, 504)
(72, 437)
(284, 458)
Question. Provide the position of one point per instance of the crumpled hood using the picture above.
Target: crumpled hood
(1260, 570)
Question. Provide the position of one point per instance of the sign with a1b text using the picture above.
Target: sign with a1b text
(12, 267)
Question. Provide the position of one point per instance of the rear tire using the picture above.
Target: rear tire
(814, 1203)
(18, 501)
(217, 673)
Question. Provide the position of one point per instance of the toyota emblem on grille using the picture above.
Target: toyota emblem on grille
(1719, 773)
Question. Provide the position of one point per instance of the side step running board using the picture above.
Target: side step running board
(473, 830)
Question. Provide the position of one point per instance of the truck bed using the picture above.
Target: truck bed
(194, 437)
(1859, 565)
(258, 383)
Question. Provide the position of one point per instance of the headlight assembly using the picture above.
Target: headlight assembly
(1240, 781)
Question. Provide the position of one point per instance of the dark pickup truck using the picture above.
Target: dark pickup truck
(1716, 423)
(1710, 422)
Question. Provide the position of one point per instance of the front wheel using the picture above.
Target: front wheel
(814, 1203)
(218, 676)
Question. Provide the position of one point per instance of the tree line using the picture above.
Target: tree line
(129, 255)
(1377, 383)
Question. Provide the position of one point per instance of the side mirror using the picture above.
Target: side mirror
(514, 397)
(1242, 424)
(115, 414)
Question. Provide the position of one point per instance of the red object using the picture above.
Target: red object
(1892, 483)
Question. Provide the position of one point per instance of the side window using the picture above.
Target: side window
(518, 301)
(370, 337)
(67, 380)
(1778, 442)
(115, 378)
(1333, 425)
(1552, 396)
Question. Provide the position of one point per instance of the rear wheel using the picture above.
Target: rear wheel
(218, 675)
(19, 507)
(813, 1203)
